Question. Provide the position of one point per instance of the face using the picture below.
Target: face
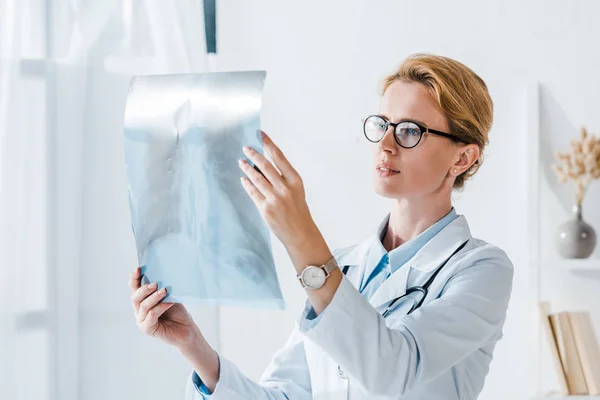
(422, 170)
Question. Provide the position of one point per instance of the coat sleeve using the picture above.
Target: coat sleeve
(286, 377)
(391, 362)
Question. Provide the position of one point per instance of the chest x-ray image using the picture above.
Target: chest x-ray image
(196, 230)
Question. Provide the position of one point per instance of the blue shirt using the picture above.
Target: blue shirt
(381, 264)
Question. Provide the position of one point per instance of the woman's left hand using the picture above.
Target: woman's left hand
(279, 195)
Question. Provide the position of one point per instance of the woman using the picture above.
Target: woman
(413, 312)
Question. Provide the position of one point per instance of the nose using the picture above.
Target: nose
(388, 142)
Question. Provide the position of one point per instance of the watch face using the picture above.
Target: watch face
(313, 277)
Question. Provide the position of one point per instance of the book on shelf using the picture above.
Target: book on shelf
(588, 349)
(549, 333)
(574, 349)
(569, 356)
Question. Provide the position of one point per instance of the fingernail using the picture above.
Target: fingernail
(152, 285)
(162, 291)
(246, 149)
(241, 162)
(264, 135)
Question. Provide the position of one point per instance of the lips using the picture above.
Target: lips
(386, 168)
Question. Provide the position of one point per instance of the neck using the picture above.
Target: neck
(410, 217)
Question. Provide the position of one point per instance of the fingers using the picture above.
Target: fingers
(270, 181)
(134, 279)
(148, 325)
(257, 179)
(265, 166)
(149, 302)
(142, 293)
(146, 302)
(256, 196)
(281, 162)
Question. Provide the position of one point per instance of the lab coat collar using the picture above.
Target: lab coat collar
(397, 257)
(436, 250)
(429, 257)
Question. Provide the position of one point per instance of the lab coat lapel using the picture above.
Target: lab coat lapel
(427, 259)
(394, 286)
(355, 259)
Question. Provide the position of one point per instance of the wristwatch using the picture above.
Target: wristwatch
(314, 277)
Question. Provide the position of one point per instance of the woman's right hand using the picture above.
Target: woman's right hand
(169, 322)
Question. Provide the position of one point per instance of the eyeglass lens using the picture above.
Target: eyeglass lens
(407, 133)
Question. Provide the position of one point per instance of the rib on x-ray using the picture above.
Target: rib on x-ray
(196, 230)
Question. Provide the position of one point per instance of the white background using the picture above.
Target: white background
(324, 63)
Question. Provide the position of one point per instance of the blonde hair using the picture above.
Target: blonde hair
(460, 93)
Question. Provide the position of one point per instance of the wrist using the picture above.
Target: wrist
(316, 254)
(202, 357)
(309, 237)
(194, 342)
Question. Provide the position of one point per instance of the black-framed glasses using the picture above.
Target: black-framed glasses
(407, 133)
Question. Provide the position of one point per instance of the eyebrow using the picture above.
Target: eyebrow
(404, 119)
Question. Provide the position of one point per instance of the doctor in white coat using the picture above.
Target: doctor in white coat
(412, 312)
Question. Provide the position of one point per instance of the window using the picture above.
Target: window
(25, 176)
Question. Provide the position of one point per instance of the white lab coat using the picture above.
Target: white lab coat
(440, 351)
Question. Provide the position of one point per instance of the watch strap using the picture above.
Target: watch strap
(330, 266)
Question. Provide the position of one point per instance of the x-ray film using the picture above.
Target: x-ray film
(196, 230)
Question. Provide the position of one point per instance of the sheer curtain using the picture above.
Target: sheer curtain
(64, 69)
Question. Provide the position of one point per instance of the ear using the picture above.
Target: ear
(466, 156)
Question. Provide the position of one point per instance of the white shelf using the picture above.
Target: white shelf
(571, 397)
(586, 265)
(548, 269)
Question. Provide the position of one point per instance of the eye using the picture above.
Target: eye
(412, 132)
(377, 123)
(408, 129)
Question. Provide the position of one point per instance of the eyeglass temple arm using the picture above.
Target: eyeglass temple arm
(449, 136)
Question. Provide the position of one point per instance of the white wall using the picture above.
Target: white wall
(324, 63)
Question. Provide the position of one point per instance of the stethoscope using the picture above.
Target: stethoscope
(412, 292)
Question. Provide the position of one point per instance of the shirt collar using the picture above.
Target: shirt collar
(457, 230)
(401, 254)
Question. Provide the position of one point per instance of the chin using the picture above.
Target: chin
(389, 191)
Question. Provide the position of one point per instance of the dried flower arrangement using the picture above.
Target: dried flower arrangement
(581, 163)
